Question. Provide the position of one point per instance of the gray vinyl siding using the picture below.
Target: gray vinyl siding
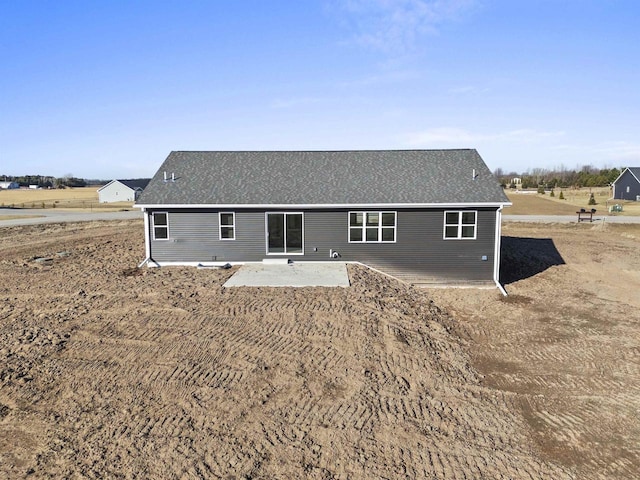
(626, 180)
(420, 254)
(194, 237)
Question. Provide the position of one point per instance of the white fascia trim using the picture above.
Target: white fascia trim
(621, 174)
(107, 184)
(633, 175)
(326, 205)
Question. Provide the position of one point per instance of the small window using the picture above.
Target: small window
(227, 225)
(460, 225)
(372, 227)
(160, 225)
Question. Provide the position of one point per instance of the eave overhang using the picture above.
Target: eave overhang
(324, 206)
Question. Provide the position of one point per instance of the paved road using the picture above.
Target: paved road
(37, 216)
(568, 218)
(58, 216)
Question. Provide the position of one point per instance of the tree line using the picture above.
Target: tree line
(47, 181)
(586, 176)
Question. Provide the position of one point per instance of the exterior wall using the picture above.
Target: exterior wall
(9, 185)
(420, 254)
(116, 192)
(620, 187)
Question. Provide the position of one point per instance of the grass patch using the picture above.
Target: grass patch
(85, 198)
(574, 199)
(534, 204)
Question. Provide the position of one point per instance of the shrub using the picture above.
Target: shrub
(592, 200)
(541, 189)
(561, 197)
(552, 194)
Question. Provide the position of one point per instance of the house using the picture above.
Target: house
(122, 190)
(9, 185)
(627, 185)
(424, 216)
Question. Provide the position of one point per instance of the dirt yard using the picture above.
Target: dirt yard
(107, 371)
(564, 347)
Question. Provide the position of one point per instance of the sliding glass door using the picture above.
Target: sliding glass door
(285, 233)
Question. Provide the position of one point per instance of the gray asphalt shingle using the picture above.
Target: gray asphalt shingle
(367, 177)
(140, 183)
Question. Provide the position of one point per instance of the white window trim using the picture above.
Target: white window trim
(459, 224)
(153, 226)
(266, 233)
(220, 226)
(364, 226)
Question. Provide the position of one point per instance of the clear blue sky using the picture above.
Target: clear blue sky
(107, 89)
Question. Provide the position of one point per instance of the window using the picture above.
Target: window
(227, 225)
(372, 227)
(460, 225)
(160, 225)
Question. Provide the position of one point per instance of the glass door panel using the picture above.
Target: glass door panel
(275, 233)
(294, 233)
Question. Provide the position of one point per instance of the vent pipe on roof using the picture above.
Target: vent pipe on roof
(173, 177)
(165, 176)
(473, 174)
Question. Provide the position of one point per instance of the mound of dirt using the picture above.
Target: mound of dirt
(110, 371)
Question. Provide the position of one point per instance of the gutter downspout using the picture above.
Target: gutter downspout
(496, 255)
(147, 243)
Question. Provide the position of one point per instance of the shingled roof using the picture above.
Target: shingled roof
(319, 178)
(133, 184)
(136, 183)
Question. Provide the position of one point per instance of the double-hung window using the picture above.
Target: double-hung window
(227, 223)
(160, 225)
(460, 224)
(372, 227)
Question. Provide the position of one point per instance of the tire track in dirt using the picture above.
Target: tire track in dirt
(566, 344)
(166, 374)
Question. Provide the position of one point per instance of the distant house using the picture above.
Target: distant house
(122, 190)
(9, 185)
(425, 216)
(627, 185)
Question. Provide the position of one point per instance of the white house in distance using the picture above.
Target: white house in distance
(9, 185)
(122, 190)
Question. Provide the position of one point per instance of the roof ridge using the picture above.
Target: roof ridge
(332, 151)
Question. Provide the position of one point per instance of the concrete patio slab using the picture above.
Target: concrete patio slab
(290, 275)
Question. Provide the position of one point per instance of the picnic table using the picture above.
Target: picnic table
(584, 215)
